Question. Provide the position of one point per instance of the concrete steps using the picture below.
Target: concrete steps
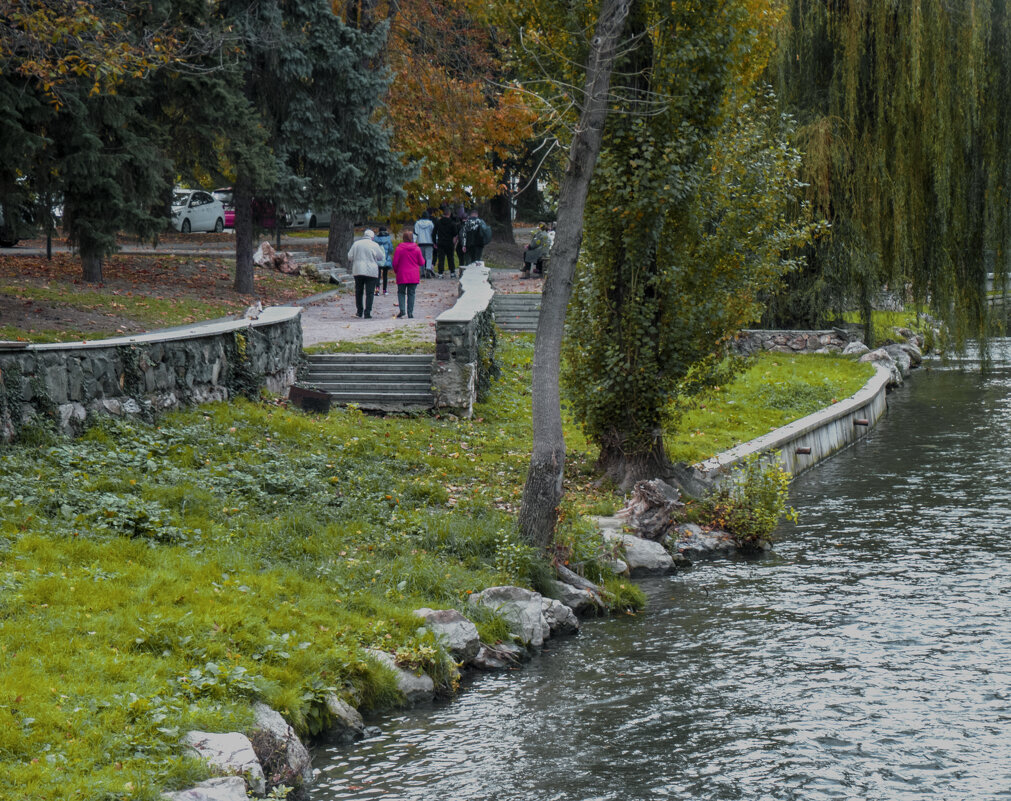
(517, 312)
(326, 272)
(382, 381)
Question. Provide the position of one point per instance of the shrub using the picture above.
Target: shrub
(750, 503)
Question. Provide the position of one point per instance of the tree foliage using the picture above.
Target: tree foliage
(449, 104)
(903, 113)
(686, 224)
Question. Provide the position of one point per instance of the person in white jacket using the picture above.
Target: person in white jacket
(424, 238)
(365, 257)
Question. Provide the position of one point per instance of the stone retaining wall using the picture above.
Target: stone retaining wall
(465, 345)
(753, 341)
(148, 372)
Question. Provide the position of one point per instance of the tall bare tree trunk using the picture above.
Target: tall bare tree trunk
(543, 490)
(340, 239)
(242, 197)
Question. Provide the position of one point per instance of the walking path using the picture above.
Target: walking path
(333, 318)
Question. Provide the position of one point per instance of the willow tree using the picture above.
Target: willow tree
(686, 225)
(903, 111)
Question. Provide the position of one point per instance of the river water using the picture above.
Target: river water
(868, 657)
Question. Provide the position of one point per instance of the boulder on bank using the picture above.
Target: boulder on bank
(520, 608)
(901, 358)
(229, 753)
(580, 600)
(453, 630)
(559, 617)
(694, 542)
(644, 557)
(414, 687)
(501, 656)
(220, 788)
(652, 511)
(882, 357)
(856, 348)
(279, 750)
(347, 724)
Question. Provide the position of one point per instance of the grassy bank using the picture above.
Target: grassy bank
(775, 389)
(157, 578)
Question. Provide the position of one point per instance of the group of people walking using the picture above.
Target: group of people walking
(429, 246)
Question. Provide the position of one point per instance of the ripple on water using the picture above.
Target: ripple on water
(869, 657)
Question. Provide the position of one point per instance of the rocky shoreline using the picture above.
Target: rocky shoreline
(647, 541)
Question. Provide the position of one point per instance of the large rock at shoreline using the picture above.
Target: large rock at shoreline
(695, 543)
(882, 357)
(229, 753)
(901, 358)
(560, 618)
(221, 788)
(856, 348)
(501, 656)
(414, 687)
(279, 749)
(347, 723)
(520, 608)
(579, 600)
(453, 630)
(644, 557)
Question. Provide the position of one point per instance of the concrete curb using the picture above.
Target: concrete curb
(804, 443)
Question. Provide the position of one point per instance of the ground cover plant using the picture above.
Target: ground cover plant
(775, 389)
(156, 578)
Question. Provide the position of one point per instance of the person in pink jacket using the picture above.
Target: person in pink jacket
(408, 262)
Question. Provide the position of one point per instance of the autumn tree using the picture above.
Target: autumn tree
(450, 105)
(904, 113)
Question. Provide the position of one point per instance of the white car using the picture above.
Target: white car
(196, 210)
(307, 219)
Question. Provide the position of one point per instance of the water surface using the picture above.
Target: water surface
(868, 657)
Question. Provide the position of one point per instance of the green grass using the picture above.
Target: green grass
(773, 391)
(884, 321)
(155, 578)
(401, 340)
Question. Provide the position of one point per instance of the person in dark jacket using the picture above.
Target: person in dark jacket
(446, 232)
(385, 241)
(472, 235)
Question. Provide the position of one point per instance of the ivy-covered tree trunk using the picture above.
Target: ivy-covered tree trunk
(543, 490)
(686, 223)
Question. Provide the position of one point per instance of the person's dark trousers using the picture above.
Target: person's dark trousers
(364, 285)
(407, 291)
(428, 251)
(386, 275)
(459, 255)
(444, 255)
(474, 253)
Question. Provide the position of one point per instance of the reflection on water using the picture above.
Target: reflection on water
(868, 657)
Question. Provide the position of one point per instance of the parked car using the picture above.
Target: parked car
(307, 219)
(225, 196)
(196, 210)
(264, 215)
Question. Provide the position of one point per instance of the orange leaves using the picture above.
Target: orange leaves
(446, 107)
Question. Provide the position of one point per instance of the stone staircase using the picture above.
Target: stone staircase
(380, 381)
(325, 272)
(517, 312)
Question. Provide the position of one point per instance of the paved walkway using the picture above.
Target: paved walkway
(333, 319)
